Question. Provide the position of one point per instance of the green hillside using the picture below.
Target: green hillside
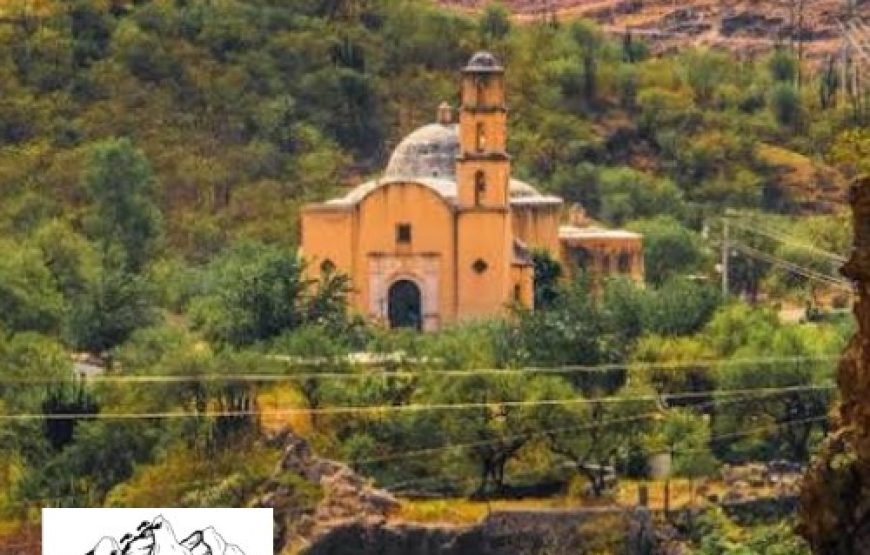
(155, 155)
(247, 109)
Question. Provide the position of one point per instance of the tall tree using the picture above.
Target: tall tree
(121, 184)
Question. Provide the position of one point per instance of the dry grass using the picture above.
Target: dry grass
(461, 511)
(800, 167)
(283, 397)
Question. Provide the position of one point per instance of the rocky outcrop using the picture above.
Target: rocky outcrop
(336, 496)
(835, 498)
(533, 532)
(342, 513)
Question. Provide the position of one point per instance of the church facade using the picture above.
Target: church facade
(445, 234)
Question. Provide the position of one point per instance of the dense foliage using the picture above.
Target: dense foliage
(153, 159)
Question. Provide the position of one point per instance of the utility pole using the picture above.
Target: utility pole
(725, 249)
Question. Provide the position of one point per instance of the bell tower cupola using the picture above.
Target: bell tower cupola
(483, 165)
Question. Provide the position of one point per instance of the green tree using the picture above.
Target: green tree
(548, 272)
(496, 432)
(495, 23)
(688, 435)
(669, 249)
(30, 355)
(568, 333)
(255, 293)
(598, 437)
(69, 257)
(29, 299)
(676, 365)
(783, 66)
(85, 471)
(679, 307)
(122, 185)
(60, 400)
(704, 71)
(590, 41)
(786, 104)
(782, 424)
(110, 310)
(628, 195)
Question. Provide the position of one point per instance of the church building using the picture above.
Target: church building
(446, 233)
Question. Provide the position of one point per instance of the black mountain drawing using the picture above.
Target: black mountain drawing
(158, 538)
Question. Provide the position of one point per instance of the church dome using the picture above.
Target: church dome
(430, 151)
(428, 154)
(483, 62)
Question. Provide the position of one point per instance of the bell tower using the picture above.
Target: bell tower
(483, 165)
(484, 236)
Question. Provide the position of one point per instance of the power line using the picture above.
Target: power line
(713, 439)
(410, 408)
(772, 425)
(585, 427)
(556, 370)
(410, 454)
(792, 267)
(784, 239)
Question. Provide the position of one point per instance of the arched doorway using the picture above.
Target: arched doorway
(405, 307)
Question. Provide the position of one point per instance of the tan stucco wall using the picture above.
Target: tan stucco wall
(523, 280)
(327, 234)
(497, 174)
(493, 90)
(363, 238)
(605, 253)
(538, 226)
(484, 235)
(431, 221)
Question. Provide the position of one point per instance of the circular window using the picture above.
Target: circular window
(327, 266)
(479, 266)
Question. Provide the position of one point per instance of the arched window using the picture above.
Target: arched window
(479, 187)
(481, 92)
(481, 137)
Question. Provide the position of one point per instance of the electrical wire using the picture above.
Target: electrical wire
(410, 408)
(712, 439)
(784, 239)
(585, 427)
(556, 370)
(792, 267)
(456, 446)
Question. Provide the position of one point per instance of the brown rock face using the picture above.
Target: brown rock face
(346, 498)
(835, 499)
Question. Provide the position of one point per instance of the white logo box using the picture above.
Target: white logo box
(157, 530)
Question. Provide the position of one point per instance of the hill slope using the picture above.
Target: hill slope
(747, 26)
